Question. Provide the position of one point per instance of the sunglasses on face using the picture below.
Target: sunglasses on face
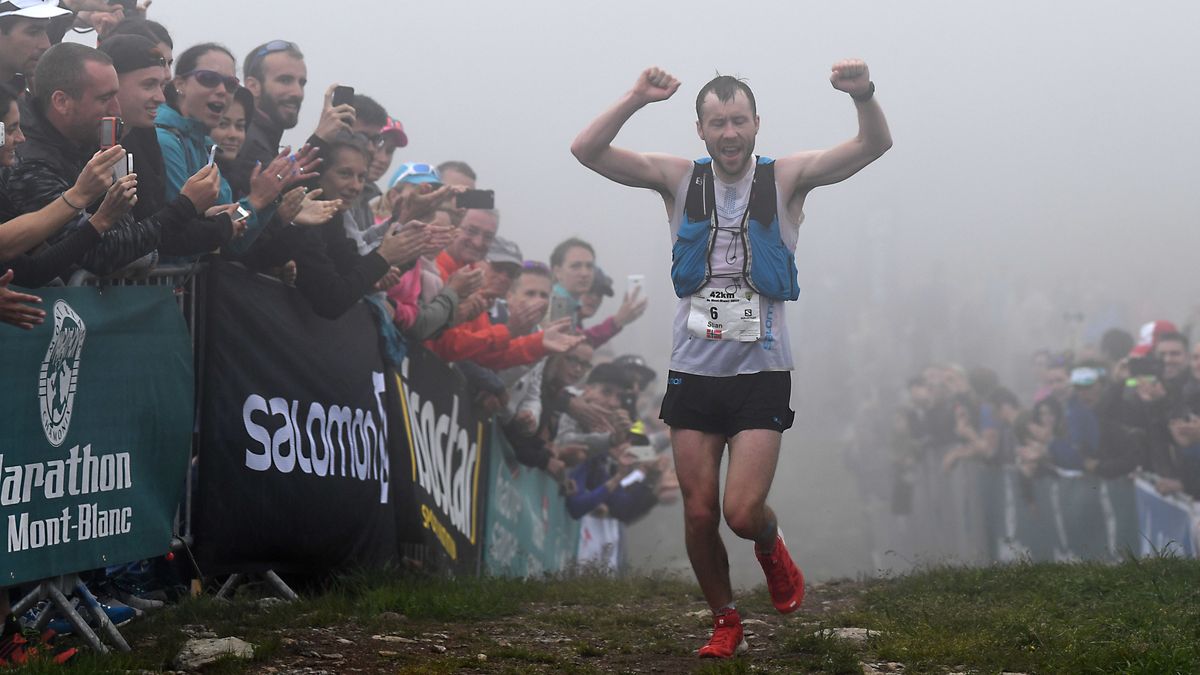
(212, 79)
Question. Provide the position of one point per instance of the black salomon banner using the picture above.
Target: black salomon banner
(295, 468)
(441, 444)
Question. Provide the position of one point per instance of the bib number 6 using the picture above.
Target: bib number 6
(712, 311)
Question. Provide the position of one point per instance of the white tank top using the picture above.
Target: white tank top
(718, 358)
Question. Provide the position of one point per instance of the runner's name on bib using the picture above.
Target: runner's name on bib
(730, 317)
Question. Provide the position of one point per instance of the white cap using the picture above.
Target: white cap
(32, 9)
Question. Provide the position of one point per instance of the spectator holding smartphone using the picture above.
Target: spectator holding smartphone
(25, 232)
(230, 137)
(141, 74)
(77, 86)
(203, 87)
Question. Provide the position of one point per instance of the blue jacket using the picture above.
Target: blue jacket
(626, 504)
(185, 145)
(769, 267)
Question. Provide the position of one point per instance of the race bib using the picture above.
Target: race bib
(717, 314)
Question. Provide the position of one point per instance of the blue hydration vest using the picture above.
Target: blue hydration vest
(768, 266)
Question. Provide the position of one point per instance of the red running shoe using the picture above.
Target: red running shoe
(784, 580)
(727, 638)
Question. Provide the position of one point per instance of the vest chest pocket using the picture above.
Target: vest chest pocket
(689, 258)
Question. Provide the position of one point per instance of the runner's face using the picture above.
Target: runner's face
(728, 129)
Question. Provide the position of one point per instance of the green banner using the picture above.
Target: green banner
(96, 417)
(529, 532)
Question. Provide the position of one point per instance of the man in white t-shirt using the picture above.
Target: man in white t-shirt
(734, 221)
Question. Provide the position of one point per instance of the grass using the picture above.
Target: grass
(1140, 616)
(1135, 617)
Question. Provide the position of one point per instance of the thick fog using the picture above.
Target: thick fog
(1045, 161)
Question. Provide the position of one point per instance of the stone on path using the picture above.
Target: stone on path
(197, 653)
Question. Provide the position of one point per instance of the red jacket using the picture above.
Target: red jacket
(479, 340)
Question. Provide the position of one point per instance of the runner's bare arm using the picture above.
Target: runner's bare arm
(593, 147)
(806, 170)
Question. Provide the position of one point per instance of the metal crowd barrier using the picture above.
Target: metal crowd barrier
(181, 278)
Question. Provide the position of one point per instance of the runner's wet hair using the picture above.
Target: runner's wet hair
(725, 87)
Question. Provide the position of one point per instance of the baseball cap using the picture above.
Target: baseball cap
(132, 52)
(32, 9)
(415, 173)
(395, 129)
(637, 366)
(1149, 334)
(503, 251)
(609, 373)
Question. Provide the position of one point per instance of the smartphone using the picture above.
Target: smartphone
(635, 476)
(343, 95)
(642, 453)
(212, 154)
(2, 136)
(561, 308)
(634, 285)
(477, 199)
(242, 214)
(122, 169)
(110, 131)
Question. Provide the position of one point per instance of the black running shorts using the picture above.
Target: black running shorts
(727, 405)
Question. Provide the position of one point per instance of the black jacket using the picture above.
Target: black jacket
(199, 235)
(49, 165)
(330, 273)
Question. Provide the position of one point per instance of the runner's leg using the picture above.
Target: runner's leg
(698, 465)
(753, 456)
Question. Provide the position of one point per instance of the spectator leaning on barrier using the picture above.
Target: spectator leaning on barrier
(23, 38)
(142, 73)
(24, 232)
(598, 480)
(330, 272)
(536, 403)
(203, 87)
(77, 86)
(475, 337)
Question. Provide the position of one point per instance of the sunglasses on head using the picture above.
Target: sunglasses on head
(535, 265)
(212, 79)
(417, 170)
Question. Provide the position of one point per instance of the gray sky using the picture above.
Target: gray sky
(1017, 124)
(1043, 143)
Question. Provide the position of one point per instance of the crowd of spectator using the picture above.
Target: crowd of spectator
(1125, 405)
(194, 169)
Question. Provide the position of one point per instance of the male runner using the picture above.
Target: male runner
(734, 221)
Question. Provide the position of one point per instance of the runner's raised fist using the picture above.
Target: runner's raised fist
(655, 84)
(851, 76)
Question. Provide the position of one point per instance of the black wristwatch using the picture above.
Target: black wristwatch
(867, 96)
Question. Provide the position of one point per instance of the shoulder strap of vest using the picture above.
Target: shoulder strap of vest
(700, 193)
(763, 195)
